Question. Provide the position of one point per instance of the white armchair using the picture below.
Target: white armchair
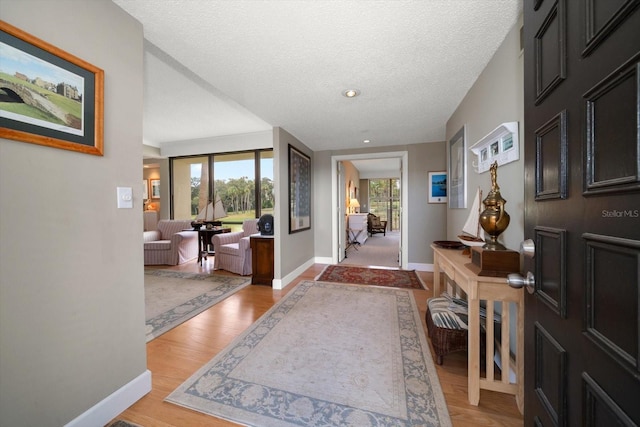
(233, 250)
(169, 244)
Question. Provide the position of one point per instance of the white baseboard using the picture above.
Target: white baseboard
(419, 266)
(282, 283)
(323, 260)
(114, 404)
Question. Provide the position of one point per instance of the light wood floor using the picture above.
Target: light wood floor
(177, 354)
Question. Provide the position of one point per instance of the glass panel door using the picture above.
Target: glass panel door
(235, 184)
(267, 196)
(190, 186)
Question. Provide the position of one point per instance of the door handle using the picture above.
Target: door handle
(515, 280)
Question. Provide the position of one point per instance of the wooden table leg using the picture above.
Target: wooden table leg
(436, 275)
(473, 370)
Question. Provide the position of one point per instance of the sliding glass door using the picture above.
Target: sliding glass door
(236, 186)
(190, 186)
(266, 193)
(234, 182)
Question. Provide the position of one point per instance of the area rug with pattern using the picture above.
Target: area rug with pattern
(371, 276)
(326, 354)
(173, 297)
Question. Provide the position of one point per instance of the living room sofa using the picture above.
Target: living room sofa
(169, 244)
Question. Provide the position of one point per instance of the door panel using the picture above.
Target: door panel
(582, 208)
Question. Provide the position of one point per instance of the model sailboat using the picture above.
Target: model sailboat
(212, 212)
(472, 232)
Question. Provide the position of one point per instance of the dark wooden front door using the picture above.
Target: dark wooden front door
(582, 210)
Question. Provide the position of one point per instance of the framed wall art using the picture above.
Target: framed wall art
(437, 187)
(299, 191)
(50, 97)
(457, 171)
(145, 189)
(155, 188)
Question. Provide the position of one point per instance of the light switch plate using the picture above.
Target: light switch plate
(125, 198)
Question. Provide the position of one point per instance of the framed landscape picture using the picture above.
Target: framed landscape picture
(437, 187)
(49, 96)
(299, 191)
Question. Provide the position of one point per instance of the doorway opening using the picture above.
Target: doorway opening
(339, 219)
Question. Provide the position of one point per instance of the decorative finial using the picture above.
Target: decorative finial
(494, 176)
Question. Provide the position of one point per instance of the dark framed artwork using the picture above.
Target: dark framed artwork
(437, 187)
(299, 191)
(457, 171)
(49, 97)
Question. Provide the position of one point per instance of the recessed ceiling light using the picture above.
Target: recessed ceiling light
(366, 141)
(351, 93)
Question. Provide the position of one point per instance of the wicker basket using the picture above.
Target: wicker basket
(445, 340)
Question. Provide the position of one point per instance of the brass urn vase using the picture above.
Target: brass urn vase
(494, 219)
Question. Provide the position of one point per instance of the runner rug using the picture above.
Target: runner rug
(173, 297)
(371, 276)
(325, 355)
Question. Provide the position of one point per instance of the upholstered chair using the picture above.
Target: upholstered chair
(150, 220)
(170, 244)
(233, 250)
(376, 225)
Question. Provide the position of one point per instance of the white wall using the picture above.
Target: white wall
(71, 266)
(496, 97)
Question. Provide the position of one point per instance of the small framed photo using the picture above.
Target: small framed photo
(494, 149)
(437, 187)
(507, 142)
(155, 188)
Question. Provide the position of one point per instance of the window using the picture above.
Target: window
(384, 200)
(232, 177)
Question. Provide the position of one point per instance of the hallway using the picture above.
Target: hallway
(377, 251)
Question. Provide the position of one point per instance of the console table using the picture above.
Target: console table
(452, 263)
(204, 237)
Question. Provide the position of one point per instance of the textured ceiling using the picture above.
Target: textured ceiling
(215, 68)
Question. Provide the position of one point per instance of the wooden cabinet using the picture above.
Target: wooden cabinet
(261, 260)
